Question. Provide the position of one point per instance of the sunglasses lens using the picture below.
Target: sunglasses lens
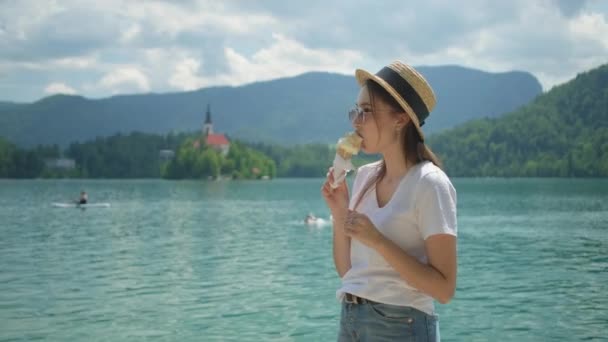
(352, 114)
(357, 115)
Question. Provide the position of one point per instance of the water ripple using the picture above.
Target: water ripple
(232, 261)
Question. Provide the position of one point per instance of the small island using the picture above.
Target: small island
(212, 156)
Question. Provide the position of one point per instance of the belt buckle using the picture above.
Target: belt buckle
(353, 299)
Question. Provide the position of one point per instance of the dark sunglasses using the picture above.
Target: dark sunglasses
(358, 114)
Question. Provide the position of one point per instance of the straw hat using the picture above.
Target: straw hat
(407, 86)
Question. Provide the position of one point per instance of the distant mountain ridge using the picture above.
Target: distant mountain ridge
(307, 108)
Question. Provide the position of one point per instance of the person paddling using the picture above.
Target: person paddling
(83, 198)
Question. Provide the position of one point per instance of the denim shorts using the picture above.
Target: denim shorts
(372, 321)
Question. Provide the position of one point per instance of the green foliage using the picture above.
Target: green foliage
(197, 161)
(312, 160)
(122, 156)
(18, 163)
(298, 161)
(563, 133)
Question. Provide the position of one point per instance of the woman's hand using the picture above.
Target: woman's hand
(359, 226)
(336, 199)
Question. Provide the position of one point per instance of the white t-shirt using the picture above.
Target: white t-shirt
(423, 204)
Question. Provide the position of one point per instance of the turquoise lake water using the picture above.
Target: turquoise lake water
(212, 261)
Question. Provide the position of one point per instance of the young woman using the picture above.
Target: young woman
(395, 239)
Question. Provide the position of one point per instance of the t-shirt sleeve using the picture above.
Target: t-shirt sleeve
(436, 206)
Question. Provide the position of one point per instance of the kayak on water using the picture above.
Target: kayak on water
(76, 205)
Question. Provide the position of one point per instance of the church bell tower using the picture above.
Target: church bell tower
(208, 126)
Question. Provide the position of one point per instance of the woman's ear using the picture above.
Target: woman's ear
(402, 120)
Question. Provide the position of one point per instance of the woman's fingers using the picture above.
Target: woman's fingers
(329, 179)
(330, 175)
(327, 190)
(326, 186)
(349, 228)
(353, 218)
(351, 223)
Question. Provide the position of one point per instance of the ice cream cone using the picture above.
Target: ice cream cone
(347, 146)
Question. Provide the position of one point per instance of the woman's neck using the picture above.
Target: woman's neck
(396, 164)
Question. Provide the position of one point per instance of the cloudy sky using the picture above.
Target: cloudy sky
(101, 48)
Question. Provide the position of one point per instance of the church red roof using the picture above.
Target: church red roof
(217, 139)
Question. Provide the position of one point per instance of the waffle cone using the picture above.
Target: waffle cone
(343, 153)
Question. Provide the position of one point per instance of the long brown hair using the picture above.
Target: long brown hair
(414, 148)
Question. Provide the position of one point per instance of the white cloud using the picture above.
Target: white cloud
(126, 46)
(70, 63)
(19, 18)
(537, 37)
(130, 33)
(125, 78)
(592, 26)
(285, 57)
(172, 19)
(59, 88)
(185, 76)
(84, 62)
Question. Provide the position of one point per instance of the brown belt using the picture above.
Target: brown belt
(352, 299)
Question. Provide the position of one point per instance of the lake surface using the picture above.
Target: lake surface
(208, 261)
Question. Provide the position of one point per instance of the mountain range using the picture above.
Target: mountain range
(562, 133)
(311, 107)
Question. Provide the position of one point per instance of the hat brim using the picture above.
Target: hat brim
(363, 76)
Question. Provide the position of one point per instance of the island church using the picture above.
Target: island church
(217, 141)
